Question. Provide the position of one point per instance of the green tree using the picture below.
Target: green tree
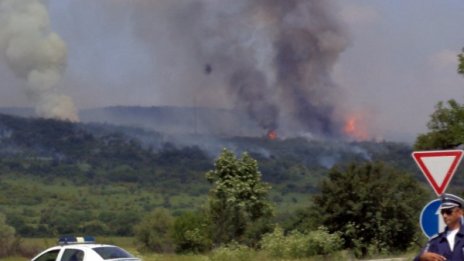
(154, 232)
(373, 206)
(446, 128)
(238, 200)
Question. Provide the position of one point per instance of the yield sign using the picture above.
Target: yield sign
(438, 166)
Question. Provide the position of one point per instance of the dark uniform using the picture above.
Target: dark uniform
(439, 243)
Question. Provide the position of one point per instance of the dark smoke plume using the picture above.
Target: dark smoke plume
(270, 58)
(250, 87)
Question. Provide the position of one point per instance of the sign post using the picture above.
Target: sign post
(438, 166)
(430, 220)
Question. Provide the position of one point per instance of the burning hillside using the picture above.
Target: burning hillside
(355, 128)
(270, 59)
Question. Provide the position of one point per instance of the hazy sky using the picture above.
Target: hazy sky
(402, 59)
(398, 61)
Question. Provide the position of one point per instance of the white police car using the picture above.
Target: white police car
(72, 248)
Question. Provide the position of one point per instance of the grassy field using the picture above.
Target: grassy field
(60, 196)
(257, 257)
(128, 243)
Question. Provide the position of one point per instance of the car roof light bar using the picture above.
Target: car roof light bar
(66, 240)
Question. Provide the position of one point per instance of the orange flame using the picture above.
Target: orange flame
(272, 135)
(355, 128)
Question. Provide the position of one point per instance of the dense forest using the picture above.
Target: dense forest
(56, 176)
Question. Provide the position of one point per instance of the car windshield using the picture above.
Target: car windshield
(112, 252)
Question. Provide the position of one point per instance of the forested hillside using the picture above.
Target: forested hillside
(56, 176)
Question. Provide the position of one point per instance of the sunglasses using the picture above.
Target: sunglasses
(447, 211)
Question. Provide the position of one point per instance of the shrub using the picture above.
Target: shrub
(154, 232)
(275, 243)
(321, 242)
(191, 233)
(27, 250)
(300, 245)
(232, 252)
(93, 227)
(8, 241)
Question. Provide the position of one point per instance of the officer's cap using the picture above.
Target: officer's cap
(451, 201)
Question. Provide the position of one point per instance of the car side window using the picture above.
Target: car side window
(72, 255)
(48, 256)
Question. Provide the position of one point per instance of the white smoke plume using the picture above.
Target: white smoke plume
(36, 54)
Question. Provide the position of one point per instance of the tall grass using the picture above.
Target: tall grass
(231, 253)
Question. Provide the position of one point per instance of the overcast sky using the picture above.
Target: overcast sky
(399, 59)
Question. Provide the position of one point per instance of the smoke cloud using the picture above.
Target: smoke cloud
(36, 54)
(272, 58)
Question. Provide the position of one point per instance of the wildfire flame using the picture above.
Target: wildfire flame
(355, 128)
(272, 135)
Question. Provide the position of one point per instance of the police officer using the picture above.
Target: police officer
(449, 244)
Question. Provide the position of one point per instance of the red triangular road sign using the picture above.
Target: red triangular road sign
(438, 166)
